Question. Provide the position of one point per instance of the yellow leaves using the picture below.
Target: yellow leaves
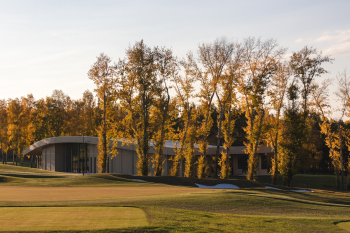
(201, 167)
(224, 165)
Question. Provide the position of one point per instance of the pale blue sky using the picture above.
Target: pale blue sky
(47, 45)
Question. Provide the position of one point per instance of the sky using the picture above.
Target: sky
(48, 45)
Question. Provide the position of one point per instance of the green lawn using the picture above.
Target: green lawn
(251, 208)
(70, 218)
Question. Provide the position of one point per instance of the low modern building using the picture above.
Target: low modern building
(79, 154)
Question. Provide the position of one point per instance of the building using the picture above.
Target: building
(79, 154)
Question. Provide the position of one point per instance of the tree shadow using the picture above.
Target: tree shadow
(32, 176)
(295, 197)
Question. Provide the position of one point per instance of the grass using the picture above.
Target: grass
(327, 182)
(171, 207)
(70, 218)
(344, 225)
(10, 168)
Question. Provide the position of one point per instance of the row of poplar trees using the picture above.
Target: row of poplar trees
(152, 96)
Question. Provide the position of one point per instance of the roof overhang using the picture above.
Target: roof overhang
(169, 147)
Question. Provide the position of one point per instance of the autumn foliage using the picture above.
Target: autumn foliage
(150, 96)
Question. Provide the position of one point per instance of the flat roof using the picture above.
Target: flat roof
(36, 148)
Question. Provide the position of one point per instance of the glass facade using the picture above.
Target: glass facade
(76, 157)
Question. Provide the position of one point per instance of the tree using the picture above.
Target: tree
(56, 109)
(343, 94)
(321, 101)
(313, 143)
(3, 129)
(80, 118)
(183, 85)
(306, 65)
(14, 117)
(26, 123)
(89, 118)
(138, 85)
(215, 59)
(163, 108)
(291, 136)
(261, 59)
(40, 122)
(227, 102)
(276, 92)
(212, 71)
(102, 74)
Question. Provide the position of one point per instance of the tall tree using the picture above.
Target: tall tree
(227, 102)
(102, 74)
(26, 123)
(343, 94)
(321, 101)
(276, 92)
(291, 136)
(183, 85)
(306, 65)
(14, 116)
(163, 107)
(261, 59)
(3, 129)
(138, 84)
(214, 59)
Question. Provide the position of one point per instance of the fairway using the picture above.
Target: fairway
(18, 193)
(118, 203)
(344, 225)
(70, 218)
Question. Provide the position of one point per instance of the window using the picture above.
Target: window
(264, 161)
(242, 162)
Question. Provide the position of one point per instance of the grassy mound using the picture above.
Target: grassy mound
(183, 181)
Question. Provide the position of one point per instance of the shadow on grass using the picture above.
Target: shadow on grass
(308, 196)
(344, 221)
(6, 179)
(294, 197)
(32, 176)
(345, 225)
(169, 180)
(111, 177)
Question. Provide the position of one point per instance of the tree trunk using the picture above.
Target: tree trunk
(251, 173)
(206, 122)
(222, 110)
(105, 159)
(178, 157)
(228, 140)
(274, 177)
(341, 156)
(158, 168)
(145, 136)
